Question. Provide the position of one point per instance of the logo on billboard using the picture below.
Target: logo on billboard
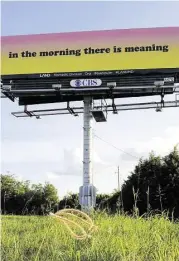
(45, 75)
(77, 83)
(85, 83)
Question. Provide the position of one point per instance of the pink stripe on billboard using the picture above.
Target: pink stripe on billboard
(93, 36)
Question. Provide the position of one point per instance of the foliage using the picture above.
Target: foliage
(69, 201)
(19, 197)
(154, 185)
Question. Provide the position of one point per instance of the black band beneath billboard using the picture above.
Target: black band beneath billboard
(87, 74)
(31, 100)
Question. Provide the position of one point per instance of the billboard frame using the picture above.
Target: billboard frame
(88, 74)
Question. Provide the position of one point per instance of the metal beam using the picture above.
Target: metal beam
(109, 108)
(33, 90)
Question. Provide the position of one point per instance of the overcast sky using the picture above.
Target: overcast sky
(50, 149)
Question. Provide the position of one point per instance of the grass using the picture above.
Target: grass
(119, 238)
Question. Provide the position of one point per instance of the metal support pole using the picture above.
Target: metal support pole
(87, 194)
(118, 179)
(87, 142)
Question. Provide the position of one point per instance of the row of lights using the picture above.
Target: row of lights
(57, 87)
(112, 84)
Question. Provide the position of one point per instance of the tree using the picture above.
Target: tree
(8, 184)
(19, 197)
(171, 175)
(50, 197)
(69, 201)
(102, 201)
(154, 185)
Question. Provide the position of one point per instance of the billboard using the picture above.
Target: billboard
(93, 53)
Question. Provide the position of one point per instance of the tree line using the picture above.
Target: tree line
(153, 187)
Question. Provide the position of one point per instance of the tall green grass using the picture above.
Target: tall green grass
(119, 238)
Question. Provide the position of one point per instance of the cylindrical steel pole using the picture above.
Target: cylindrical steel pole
(87, 191)
(87, 142)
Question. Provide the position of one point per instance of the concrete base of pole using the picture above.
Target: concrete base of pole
(87, 197)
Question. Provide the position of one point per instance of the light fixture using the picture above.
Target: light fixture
(111, 84)
(56, 87)
(6, 87)
(159, 84)
(158, 109)
(98, 115)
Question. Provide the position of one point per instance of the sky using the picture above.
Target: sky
(51, 149)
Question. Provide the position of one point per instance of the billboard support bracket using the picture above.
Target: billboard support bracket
(71, 111)
(114, 107)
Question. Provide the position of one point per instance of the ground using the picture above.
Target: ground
(117, 238)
